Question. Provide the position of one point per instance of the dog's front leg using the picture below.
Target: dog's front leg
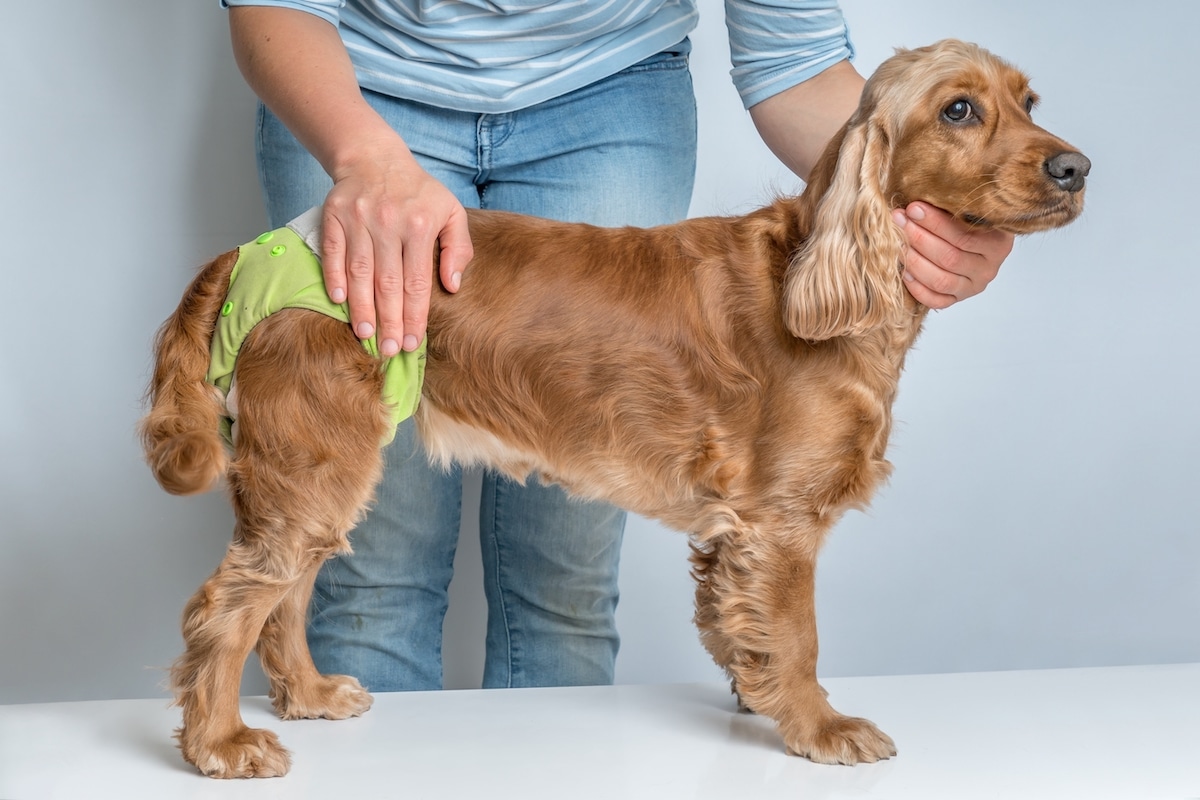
(756, 597)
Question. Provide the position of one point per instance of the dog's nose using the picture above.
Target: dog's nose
(1068, 170)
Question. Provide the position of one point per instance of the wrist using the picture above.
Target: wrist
(370, 145)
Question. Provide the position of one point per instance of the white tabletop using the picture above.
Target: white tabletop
(1130, 732)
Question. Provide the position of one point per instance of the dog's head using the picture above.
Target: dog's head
(958, 121)
(948, 124)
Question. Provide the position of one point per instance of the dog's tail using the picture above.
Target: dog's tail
(181, 432)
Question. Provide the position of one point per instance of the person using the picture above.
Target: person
(395, 116)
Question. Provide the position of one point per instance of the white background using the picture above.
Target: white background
(1044, 507)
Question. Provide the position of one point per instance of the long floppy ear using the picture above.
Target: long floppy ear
(845, 280)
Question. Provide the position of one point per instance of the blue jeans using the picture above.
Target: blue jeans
(618, 152)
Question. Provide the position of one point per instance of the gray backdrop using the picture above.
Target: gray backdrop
(1043, 511)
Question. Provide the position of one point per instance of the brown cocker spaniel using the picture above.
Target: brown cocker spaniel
(731, 377)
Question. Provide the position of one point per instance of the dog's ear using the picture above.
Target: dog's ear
(845, 279)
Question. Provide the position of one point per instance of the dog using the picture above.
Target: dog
(740, 390)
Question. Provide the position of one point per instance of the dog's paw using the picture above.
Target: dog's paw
(330, 697)
(843, 740)
(248, 753)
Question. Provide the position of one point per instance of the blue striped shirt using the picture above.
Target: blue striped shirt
(493, 56)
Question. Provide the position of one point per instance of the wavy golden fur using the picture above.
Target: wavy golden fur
(731, 377)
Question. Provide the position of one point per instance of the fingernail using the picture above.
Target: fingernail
(389, 348)
(916, 211)
(899, 217)
(455, 281)
(908, 277)
(410, 342)
(364, 330)
(338, 295)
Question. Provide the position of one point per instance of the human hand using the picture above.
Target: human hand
(947, 259)
(381, 222)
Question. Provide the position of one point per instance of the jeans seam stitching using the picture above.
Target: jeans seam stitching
(500, 599)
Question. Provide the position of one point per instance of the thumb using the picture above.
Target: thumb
(455, 250)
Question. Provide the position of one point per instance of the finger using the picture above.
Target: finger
(389, 292)
(940, 224)
(923, 294)
(333, 257)
(932, 263)
(360, 276)
(456, 251)
(922, 240)
(418, 280)
(989, 243)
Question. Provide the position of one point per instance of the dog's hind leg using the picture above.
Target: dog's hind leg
(307, 460)
(221, 623)
(298, 691)
(259, 593)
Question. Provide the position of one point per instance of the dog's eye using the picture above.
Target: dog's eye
(958, 111)
(1030, 102)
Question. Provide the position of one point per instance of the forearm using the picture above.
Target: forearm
(798, 122)
(297, 65)
(385, 216)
